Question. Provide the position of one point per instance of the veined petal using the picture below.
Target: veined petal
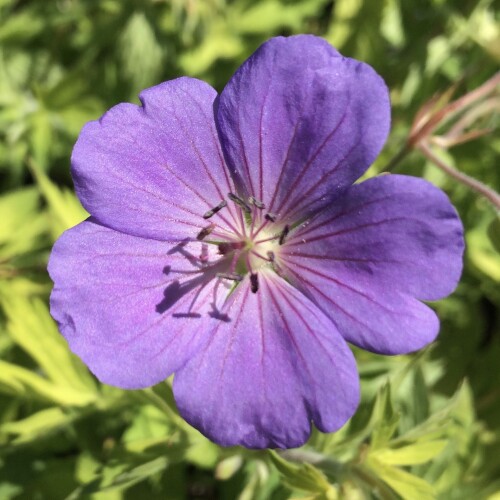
(265, 375)
(366, 259)
(299, 123)
(133, 309)
(153, 171)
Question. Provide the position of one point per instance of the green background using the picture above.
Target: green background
(428, 425)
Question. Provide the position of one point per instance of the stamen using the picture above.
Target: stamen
(214, 210)
(205, 232)
(239, 202)
(254, 283)
(270, 217)
(254, 201)
(230, 276)
(260, 256)
(204, 253)
(284, 234)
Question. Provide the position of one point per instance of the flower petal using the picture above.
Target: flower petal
(153, 171)
(362, 261)
(278, 364)
(123, 303)
(299, 122)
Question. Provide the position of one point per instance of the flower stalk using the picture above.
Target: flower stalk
(439, 111)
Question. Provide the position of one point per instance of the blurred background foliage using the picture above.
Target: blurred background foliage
(428, 425)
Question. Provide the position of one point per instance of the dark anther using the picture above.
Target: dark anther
(254, 282)
(270, 217)
(284, 234)
(239, 202)
(230, 276)
(225, 248)
(205, 232)
(254, 201)
(270, 254)
(214, 210)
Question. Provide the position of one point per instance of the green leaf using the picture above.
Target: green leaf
(303, 477)
(41, 137)
(271, 15)
(31, 327)
(391, 26)
(21, 230)
(26, 384)
(228, 467)
(219, 44)
(137, 39)
(120, 477)
(65, 209)
(494, 233)
(384, 419)
(38, 424)
(407, 485)
(413, 454)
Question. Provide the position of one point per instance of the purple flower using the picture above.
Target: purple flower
(227, 244)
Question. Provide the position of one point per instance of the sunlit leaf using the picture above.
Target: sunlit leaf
(32, 328)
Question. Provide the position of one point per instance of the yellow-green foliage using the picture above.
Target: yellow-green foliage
(428, 425)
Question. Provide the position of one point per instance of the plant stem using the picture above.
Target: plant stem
(402, 153)
(490, 194)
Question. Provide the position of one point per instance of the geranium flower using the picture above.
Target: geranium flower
(227, 245)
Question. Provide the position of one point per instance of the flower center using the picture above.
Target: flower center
(252, 245)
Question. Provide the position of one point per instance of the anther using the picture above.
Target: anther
(239, 202)
(270, 217)
(214, 210)
(230, 276)
(254, 283)
(284, 234)
(225, 248)
(254, 201)
(205, 232)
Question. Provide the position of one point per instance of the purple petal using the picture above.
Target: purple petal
(362, 261)
(153, 171)
(278, 364)
(123, 302)
(299, 122)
